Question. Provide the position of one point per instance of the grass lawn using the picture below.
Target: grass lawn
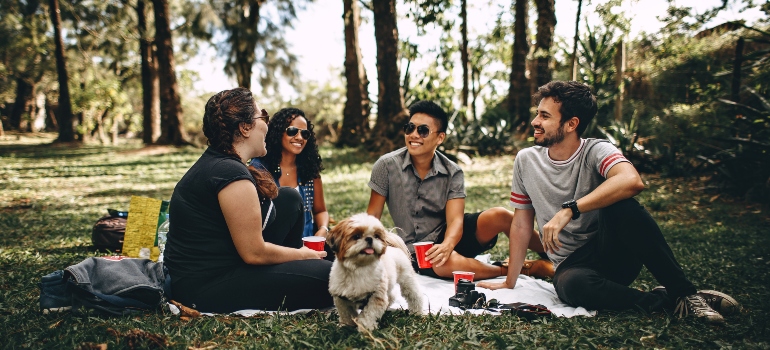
(50, 196)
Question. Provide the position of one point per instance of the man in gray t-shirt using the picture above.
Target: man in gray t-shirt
(425, 193)
(599, 237)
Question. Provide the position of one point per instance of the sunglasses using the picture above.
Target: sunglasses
(264, 116)
(422, 130)
(293, 130)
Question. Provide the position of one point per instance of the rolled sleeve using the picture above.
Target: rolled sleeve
(379, 178)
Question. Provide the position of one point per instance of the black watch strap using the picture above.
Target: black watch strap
(573, 206)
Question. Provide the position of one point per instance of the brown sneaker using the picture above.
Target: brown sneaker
(540, 268)
(696, 306)
(720, 302)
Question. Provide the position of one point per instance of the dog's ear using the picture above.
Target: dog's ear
(334, 237)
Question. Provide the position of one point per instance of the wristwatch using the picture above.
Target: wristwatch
(573, 206)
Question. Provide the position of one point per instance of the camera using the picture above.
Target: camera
(467, 297)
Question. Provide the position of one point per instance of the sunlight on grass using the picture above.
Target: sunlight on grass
(52, 195)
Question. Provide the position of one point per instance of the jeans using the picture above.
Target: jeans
(597, 275)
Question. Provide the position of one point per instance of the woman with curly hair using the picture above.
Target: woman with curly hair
(235, 239)
(293, 159)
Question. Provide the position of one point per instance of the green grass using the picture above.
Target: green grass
(50, 196)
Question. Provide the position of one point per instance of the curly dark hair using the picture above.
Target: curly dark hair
(576, 101)
(309, 165)
(222, 118)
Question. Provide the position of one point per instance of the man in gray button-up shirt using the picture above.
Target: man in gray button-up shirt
(425, 193)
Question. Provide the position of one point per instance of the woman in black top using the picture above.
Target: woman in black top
(235, 239)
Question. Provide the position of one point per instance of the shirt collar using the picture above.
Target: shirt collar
(437, 167)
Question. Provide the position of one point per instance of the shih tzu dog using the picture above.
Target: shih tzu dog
(369, 262)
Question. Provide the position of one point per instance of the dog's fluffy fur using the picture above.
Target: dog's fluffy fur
(370, 260)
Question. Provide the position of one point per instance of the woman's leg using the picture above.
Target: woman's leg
(286, 229)
(300, 284)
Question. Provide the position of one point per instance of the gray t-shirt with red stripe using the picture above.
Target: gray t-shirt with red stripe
(543, 184)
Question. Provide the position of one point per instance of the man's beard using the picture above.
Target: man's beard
(550, 141)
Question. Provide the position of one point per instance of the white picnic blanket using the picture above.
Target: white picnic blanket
(527, 290)
(437, 293)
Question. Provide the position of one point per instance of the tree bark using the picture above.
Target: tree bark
(519, 93)
(735, 94)
(391, 114)
(355, 121)
(150, 89)
(573, 64)
(21, 104)
(66, 129)
(172, 126)
(546, 22)
(243, 38)
(464, 50)
(620, 70)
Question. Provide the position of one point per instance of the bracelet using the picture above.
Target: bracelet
(325, 227)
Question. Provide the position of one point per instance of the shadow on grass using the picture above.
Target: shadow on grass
(160, 192)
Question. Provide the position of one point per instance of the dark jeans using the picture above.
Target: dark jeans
(597, 275)
(301, 284)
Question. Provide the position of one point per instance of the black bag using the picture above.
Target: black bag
(108, 231)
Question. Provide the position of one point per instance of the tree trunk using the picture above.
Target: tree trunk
(243, 38)
(66, 129)
(546, 21)
(391, 114)
(150, 89)
(735, 94)
(519, 93)
(620, 69)
(355, 121)
(20, 106)
(172, 126)
(573, 64)
(464, 50)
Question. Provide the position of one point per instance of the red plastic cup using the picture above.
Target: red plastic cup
(314, 242)
(420, 248)
(462, 275)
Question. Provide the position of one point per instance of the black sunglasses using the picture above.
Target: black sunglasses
(422, 130)
(293, 130)
(264, 116)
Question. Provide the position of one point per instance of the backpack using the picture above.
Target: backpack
(108, 231)
(106, 286)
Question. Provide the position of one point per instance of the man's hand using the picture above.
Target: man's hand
(494, 285)
(551, 230)
(438, 254)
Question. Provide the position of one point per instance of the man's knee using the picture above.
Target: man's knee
(576, 287)
(495, 219)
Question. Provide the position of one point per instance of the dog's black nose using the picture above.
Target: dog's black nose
(369, 240)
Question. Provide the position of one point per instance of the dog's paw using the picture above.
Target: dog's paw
(366, 326)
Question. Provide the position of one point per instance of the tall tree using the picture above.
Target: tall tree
(150, 88)
(546, 22)
(519, 92)
(575, 41)
(355, 122)
(65, 118)
(254, 39)
(241, 24)
(464, 51)
(25, 58)
(391, 113)
(172, 126)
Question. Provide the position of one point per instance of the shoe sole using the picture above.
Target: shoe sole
(56, 309)
(728, 306)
